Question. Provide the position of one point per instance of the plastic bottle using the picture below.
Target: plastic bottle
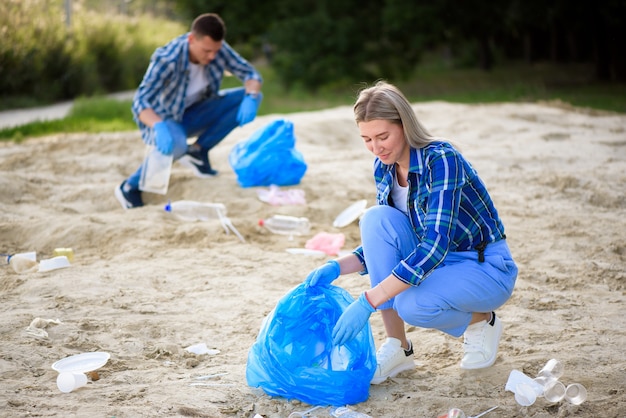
(189, 210)
(453, 413)
(286, 225)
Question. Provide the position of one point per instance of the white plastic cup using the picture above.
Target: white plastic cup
(554, 391)
(575, 393)
(553, 368)
(525, 395)
(542, 383)
(23, 263)
(68, 382)
(155, 171)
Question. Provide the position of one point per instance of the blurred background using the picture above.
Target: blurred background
(316, 53)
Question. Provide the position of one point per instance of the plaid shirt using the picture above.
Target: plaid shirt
(164, 85)
(449, 207)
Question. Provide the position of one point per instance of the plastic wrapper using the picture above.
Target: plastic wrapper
(329, 243)
(275, 196)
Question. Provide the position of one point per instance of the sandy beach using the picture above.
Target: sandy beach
(143, 286)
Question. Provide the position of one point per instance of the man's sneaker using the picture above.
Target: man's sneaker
(392, 359)
(480, 343)
(198, 161)
(129, 198)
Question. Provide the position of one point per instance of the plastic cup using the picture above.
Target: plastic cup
(525, 395)
(68, 382)
(575, 393)
(542, 383)
(553, 368)
(23, 264)
(155, 171)
(554, 391)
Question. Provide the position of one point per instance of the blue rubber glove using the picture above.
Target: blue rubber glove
(163, 138)
(323, 275)
(247, 109)
(352, 321)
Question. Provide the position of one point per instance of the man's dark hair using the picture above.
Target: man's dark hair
(209, 24)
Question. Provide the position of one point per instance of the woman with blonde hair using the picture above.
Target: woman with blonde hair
(434, 246)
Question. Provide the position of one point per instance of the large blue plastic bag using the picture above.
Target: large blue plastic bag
(293, 356)
(268, 157)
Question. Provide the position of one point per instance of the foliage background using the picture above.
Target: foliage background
(321, 41)
(44, 59)
(101, 46)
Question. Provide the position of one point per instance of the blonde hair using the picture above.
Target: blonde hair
(384, 101)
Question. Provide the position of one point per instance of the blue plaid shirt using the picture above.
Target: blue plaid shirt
(448, 206)
(164, 85)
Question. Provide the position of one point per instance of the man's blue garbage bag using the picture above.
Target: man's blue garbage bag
(268, 157)
(293, 356)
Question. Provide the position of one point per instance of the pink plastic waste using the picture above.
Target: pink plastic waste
(277, 197)
(324, 241)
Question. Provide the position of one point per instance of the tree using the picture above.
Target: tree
(319, 42)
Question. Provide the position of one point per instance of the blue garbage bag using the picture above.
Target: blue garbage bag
(293, 356)
(268, 157)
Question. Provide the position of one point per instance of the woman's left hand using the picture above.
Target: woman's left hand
(352, 321)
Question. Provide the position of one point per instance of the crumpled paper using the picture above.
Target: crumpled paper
(37, 327)
(201, 348)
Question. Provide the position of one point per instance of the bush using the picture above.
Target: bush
(42, 59)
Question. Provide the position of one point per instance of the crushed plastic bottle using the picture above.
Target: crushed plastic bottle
(453, 413)
(286, 225)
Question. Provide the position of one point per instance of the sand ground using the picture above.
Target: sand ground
(143, 286)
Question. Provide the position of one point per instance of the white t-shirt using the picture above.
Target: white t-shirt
(197, 84)
(399, 195)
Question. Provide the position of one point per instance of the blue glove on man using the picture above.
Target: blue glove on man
(323, 275)
(352, 320)
(247, 109)
(163, 138)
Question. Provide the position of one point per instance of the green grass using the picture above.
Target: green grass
(571, 84)
(516, 83)
(90, 115)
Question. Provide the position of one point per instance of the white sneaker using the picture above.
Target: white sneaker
(480, 343)
(392, 359)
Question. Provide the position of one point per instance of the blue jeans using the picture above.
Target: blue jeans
(458, 287)
(210, 120)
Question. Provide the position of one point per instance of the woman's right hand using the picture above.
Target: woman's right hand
(323, 275)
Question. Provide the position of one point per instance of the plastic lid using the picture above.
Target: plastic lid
(168, 207)
(350, 214)
(82, 363)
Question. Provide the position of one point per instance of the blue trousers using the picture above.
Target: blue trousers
(458, 287)
(210, 120)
